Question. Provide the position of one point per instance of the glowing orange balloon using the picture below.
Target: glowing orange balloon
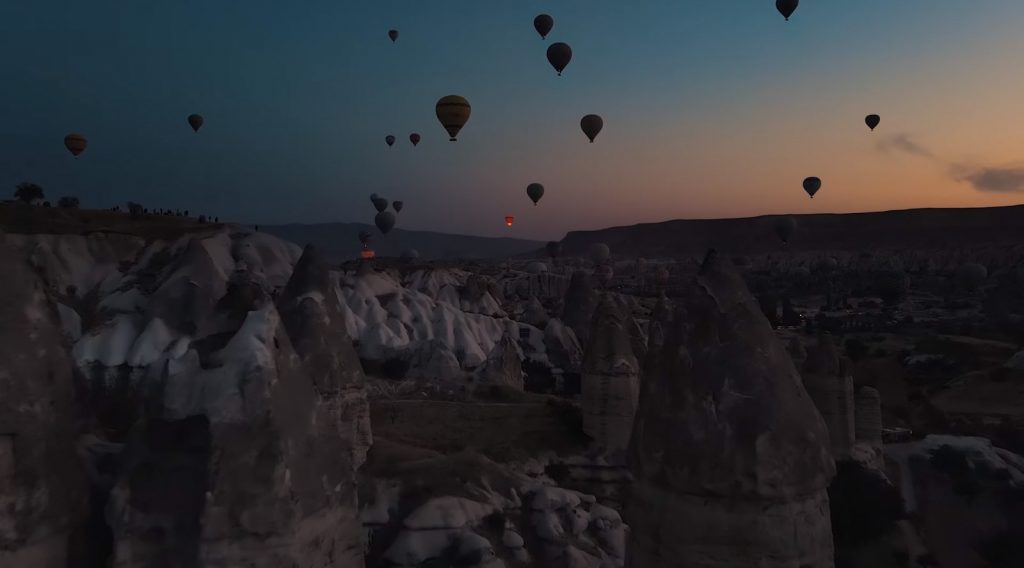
(509, 219)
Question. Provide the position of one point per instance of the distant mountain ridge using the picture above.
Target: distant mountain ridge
(340, 242)
(902, 229)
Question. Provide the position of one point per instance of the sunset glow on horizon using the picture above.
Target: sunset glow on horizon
(710, 110)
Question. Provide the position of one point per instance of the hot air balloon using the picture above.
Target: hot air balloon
(592, 125)
(453, 112)
(559, 55)
(554, 248)
(872, 120)
(75, 143)
(786, 7)
(543, 24)
(390, 140)
(599, 253)
(380, 204)
(785, 227)
(971, 275)
(812, 185)
(393, 34)
(414, 138)
(195, 121)
(535, 191)
(509, 219)
(398, 206)
(367, 254)
(385, 221)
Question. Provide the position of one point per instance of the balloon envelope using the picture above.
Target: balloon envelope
(398, 206)
(591, 125)
(414, 138)
(509, 219)
(786, 7)
(812, 185)
(535, 191)
(390, 140)
(784, 228)
(872, 120)
(453, 112)
(599, 253)
(385, 221)
(543, 24)
(559, 55)
(380, 204)
(393, 34)
(75, 143)
(195, 121)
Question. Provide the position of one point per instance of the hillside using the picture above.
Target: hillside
(340, 241)
(907, 229)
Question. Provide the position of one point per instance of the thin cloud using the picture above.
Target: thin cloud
(991, 178)
(903, 143)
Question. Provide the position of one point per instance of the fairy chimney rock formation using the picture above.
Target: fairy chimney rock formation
(610, 383)
(730, 458)
(579, 305)
(826, 378)
(868, 417)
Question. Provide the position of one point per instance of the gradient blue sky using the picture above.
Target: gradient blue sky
(711, 108)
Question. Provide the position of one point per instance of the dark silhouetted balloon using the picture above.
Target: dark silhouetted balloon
(453, 112)
(195, 121)
(509, 219)
(872, 120)
(554, 248)
(385, 221)
(393, 34)
(599, 253)
(397, 205)
(75, 143)
(812, 185)
(535, 191)
(543, 24)
(787, 7)
(380, 204)
(591, 125)
(972, 275)
(559, 55)
(390, 140)
(784, 228)
(414, 138)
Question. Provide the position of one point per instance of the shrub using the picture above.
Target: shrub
(28, 192)
(68, 202)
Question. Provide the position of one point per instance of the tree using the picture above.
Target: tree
(68, 202)
(28, 192)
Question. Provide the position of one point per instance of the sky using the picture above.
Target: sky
(711, 108)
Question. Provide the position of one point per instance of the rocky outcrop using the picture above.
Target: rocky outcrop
(579, 306)
(504, 366)
(611, 380)
(42, 483)
(249, 456)
(535, 314)
(730, 457)
(826, 379)
(563, 348)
